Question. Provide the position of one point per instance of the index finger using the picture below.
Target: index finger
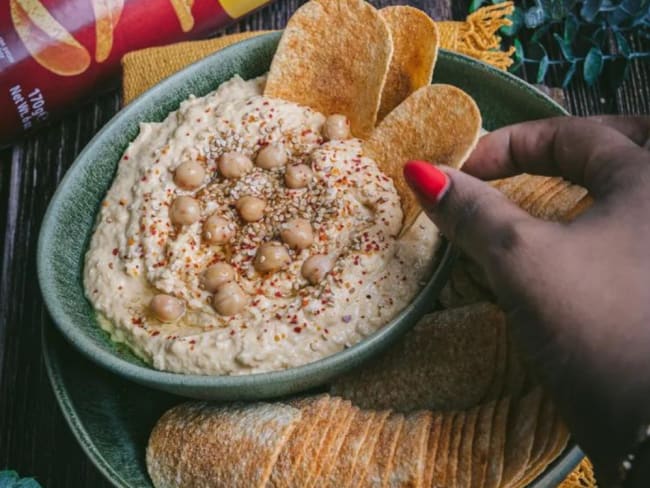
(579, 150)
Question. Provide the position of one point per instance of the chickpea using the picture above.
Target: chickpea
(217, 230)
(298, 176)
(297, 234)
(189, 175)
(234, 164)
(217, 275)
(229, 299)
(184, 211)
(316, 267)
(166, 308)
(336, 127)
(271, 257)
(251, 209)
(271, 156)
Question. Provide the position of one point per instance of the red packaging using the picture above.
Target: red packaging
(54, 53)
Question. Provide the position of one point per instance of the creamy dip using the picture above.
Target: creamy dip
(137, 252)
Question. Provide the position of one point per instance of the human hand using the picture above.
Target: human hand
(577, 296)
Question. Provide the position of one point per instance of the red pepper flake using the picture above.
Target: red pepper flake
(126, 158)
(136, 320)
(232, 332)
(155, 333)
(193, 341)
(297, 330)
(115, 251)
(278, 294)
(278, 316)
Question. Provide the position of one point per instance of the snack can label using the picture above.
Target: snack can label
(54, 53)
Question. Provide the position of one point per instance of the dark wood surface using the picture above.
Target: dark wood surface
(34, 438)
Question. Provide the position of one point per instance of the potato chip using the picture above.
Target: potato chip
(382, 461)
(107, 13)
(410, 455)
(343, 466)
(481, 446)
(183, 10)
(313, 410)
(463, 477)
(494, 469)
(336, 433)
(442, 452)
(520, 436)
(337, 70)
(49, 43)
(561, 203)
(316, 442)
(367, 449)
(415, 49)
(454, 448)
(437, 123)
(432, 448)
(581, 206)
(446, 362)
(247, 436)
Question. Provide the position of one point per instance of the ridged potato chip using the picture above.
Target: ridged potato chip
(415, 50)
(333, 57)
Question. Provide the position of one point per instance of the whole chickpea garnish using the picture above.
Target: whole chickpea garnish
(234, 164)
(217, 275)
(166, 308)
(297, 234)
(336, 127)
(189, 175)
(229, 299)
(271, 156)
(298, 176)
(316, 267)
(251, 209)
(184, 211)
(271, 257)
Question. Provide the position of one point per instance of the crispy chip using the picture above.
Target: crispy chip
(317, 441)
(197, 444)
(366, 452)
(343, 465)
(336, 70)
(49, 43)
(437, 123)
(432, 449)
(446, 362)
(382, 460)
(481, 446)
(520, 436)
(107, 14)
(336, 433)
(410, 455)
(465, 457)
(442, 452)
(454, 448)
(183, 10)
(494, 469)
(313, 410)
(411, 66)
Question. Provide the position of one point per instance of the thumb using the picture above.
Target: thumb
(473, 215)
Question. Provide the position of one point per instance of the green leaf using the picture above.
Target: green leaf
(536, 51)
(540, 33)
(622, 45)
(519, 51)
(475, 5)
(542, 69)
(590, 9)
(568, 76)
(11, 479)
(565, 47)
(593, 66)
(597, 37)
(570, 28)
(517, 19)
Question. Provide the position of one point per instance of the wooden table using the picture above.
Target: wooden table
(34, 438)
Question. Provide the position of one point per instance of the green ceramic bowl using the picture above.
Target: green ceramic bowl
(69, 221)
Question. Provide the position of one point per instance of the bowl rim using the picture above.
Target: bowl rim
(145, 374)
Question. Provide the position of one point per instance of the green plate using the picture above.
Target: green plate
(112, 417)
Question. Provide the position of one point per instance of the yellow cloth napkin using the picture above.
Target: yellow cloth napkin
(476, 36)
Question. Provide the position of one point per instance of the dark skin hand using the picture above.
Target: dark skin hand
(577, 295)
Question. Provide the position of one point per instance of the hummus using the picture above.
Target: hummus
(137, 251)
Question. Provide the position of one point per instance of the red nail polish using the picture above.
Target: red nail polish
(428, 182)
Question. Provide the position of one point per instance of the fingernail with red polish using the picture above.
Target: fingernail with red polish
(428, 182)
